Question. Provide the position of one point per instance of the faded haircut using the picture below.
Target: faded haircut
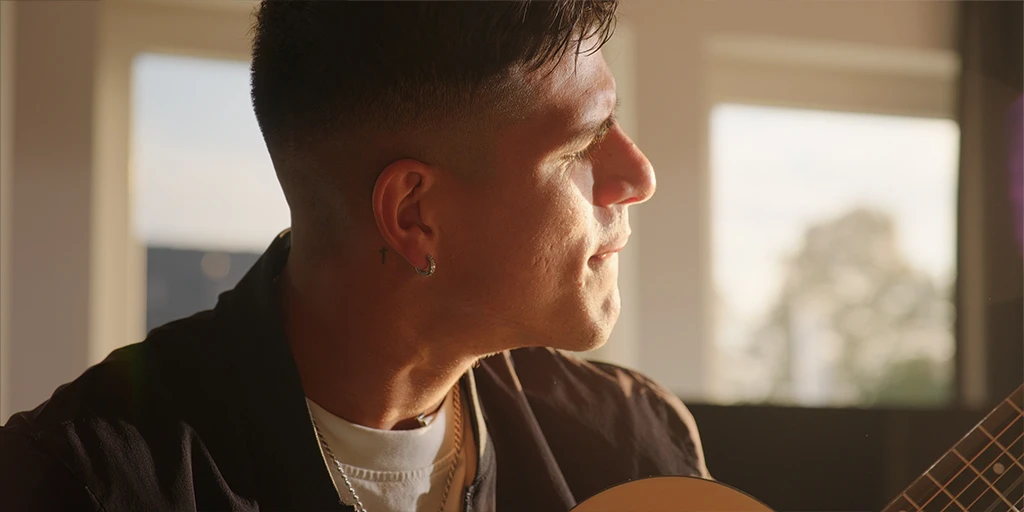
(323, 69)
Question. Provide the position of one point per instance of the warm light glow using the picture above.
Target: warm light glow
(785, 178)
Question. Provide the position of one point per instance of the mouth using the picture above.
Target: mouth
(602, 256)
(605, 252)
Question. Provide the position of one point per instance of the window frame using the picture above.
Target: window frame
(129, 28)
(835, 76)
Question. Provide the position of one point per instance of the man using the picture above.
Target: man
(459, 190)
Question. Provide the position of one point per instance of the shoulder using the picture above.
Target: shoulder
(609, 400)
(99, 431)
(126, 384)
(29, 467)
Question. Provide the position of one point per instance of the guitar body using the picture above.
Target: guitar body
(671, 494)
(984, 471)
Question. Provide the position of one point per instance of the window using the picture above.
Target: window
(206, 201)
(833, 254)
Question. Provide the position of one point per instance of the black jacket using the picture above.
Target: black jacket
(208, 413)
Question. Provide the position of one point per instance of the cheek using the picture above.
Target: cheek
(535, 235)
(562, 241)
(583, 180)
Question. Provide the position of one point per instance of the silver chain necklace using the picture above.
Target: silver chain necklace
(457, 404)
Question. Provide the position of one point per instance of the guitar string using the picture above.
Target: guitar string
(991, 488)
(1014, 405)
(967, 463)
(982, 450)
(909, 500)
(1000, 477)
(952, 499)
(1014, 505)
(942, 488)
(1001, 447)
(990, 484)
(892, 506)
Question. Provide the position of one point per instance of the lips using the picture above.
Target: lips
(607, 250)
(606, 254)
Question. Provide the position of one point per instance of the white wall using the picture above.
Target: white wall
(54, 63)
(6, 191)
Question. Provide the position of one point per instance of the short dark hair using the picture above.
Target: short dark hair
(321, 65)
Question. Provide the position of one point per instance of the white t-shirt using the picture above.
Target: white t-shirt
(399, 470)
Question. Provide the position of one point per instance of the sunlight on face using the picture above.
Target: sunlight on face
(539, 229)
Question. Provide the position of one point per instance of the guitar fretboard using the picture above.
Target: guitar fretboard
(984, 472)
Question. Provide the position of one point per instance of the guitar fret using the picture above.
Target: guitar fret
(916, 506)
(1015, 490)
(1000, 445)
(974, 443)
(964, 479)
(970, 447)
(990, 456)
(1010, 440)
(993, 503)
(983, 479)
(1009, 483)
(1006, 479)
(1014, 406)
(943, 489)
(1016, 398)
(993, 451)
(1005, 417)
(923, 493)
(1002, 469)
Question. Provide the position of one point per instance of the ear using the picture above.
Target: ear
(397, 201)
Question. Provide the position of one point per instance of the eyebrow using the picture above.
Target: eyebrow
(596, 131)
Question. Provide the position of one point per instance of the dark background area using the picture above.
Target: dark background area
(807, 459)
(804, 459)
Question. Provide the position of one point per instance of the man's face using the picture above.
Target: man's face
(531, 242)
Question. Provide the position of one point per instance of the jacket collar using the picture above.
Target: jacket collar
(286, 463)
(288, 468)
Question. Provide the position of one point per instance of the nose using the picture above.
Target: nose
(622, 173)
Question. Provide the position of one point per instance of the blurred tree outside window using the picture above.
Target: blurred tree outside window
(833, 257)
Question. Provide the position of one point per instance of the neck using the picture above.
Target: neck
(358, 359)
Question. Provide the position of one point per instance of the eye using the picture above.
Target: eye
(579, 155)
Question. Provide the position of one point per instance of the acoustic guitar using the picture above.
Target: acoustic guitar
(983, 472)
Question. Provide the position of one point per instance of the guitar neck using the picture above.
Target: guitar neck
(984, 472)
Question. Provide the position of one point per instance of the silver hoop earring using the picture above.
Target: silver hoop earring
(430, 267)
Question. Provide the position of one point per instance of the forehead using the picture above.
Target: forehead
(577, 92)
(574, 95)
(585, 81)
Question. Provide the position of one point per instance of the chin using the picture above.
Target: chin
(591, 333)
(580, 343)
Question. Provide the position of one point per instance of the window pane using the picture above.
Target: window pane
(206, 201)
(833, 256)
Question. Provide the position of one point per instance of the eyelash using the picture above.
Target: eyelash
(579, 155)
